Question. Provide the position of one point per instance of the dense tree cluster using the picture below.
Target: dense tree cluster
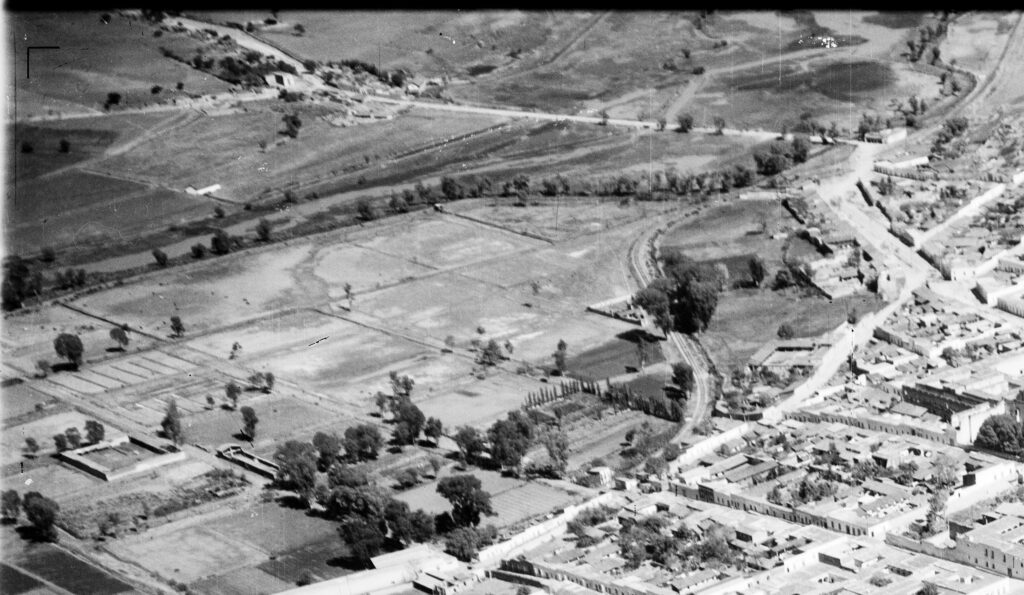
(685, 298)
(681, 550)
(781, 156)
(1001, 433)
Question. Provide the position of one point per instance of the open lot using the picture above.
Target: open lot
(513, 500)
(19, 399)
(43, 429)
(747, 318)
(477, 402)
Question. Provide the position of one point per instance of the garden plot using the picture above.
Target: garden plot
(211, 295)
(449, 242)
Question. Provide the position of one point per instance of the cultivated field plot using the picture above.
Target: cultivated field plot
(449, 243)
(125, 371)
(186, 554)
(242, 581)
(566, 218)
(291, 330)
(71, 572)
(19, 399)
(477, 402)
(613, 358)
(747, 318)
(73, 208)
(281, 417)
(56, 481)
(42, 430)
(224, 149)
(333, 359)
(95, 58)
(453, 305)
(15, 582)
(210, 295)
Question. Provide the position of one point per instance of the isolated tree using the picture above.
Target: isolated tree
(64, 146)
(26, 147)
(785, 331)
(490, 355)
(758, 270)
(94, 431)
(349, 294)
(119, 336)
(31, 447)
(113, 99)
(662, 123)
(1001, 433)
(232, 391)
(683, 377)
(60, 442)
(10, 505)
(74, 438)
(800, 149)
(179, 86)
(365, 210)
(935, 518)
(467, 497)
(509, 442)
(220, 243)
(470, 443)
(171, 423)
(249, 421)
(719, 124)
(433, 429)
(160, 257)
(559, 356)
(177, 327)
(263, 230)
(297, 471)
(685, 122)
(604, 117)
(42, 513)
(362, 442)
(69, 347)
(198, 251)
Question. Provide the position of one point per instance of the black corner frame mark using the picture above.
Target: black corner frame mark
(28, 56)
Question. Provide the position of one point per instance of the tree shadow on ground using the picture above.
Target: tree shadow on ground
(64, 367)
(348, 563)
(292, 501)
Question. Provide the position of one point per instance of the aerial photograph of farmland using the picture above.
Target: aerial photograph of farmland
(695, 302)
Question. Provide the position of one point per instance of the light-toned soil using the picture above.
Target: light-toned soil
(13, 439)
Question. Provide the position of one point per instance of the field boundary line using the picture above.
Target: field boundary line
(501, 227)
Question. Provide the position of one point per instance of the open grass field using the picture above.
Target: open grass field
(561, 219)
(613, 358)
(219, 293)
(73, 208)
(224, 149)
(94, 59)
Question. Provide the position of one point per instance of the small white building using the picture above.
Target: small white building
(283, 80)
(887, 136)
